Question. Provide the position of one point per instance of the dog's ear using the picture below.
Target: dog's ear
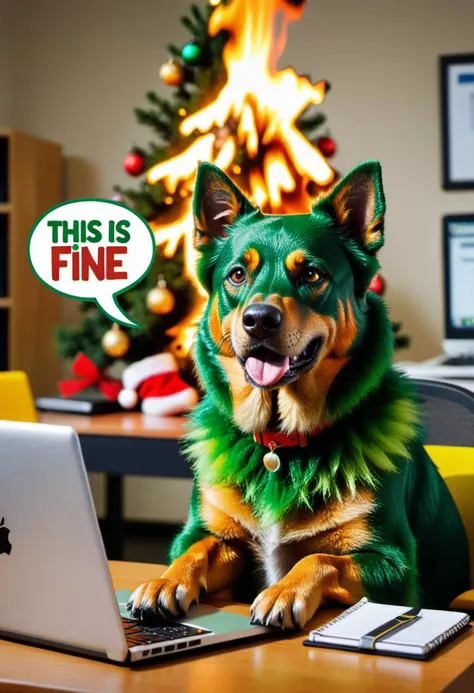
(357, 204)
(217, 203)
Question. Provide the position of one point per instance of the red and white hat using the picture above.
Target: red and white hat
(155, 381)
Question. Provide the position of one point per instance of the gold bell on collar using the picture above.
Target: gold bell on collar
(271, 460)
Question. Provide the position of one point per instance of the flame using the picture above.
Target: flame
(182, 166)
(266, 102)
(256, 111)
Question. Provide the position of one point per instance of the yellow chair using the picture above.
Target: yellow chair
(449, 412)
(16, 399)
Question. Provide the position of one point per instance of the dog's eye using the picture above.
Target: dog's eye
(310, 275)
(237, 276)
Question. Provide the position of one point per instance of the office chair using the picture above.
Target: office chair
(449, 419)
(16, 399)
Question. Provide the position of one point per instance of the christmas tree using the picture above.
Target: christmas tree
(232, 106)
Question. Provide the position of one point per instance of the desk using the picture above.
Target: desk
(265, 665)
(125, 443)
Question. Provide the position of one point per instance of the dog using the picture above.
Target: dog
(312, 485)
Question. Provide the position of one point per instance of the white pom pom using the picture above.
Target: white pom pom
(127, 398)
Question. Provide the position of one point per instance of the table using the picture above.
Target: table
(125, 443)
(264, 665)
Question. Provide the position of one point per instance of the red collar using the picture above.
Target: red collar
(276, 439)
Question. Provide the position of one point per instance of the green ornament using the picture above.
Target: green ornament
(191, 54)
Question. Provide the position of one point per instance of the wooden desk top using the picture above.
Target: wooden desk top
(264, 665)
(120, 424)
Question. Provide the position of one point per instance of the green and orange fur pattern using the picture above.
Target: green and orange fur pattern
(361, 510)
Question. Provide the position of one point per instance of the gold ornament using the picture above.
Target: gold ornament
(178, 348)
(160, 300)
(172, 73)
(115, 342)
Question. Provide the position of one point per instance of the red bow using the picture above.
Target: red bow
(89, 375)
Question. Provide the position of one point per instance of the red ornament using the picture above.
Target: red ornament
(326, 146)
(377, 285)
(134, 163)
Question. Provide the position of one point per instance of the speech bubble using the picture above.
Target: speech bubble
(92, 250)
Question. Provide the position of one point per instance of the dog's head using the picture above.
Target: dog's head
(287, 301)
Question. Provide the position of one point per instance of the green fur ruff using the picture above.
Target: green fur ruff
(349, 455)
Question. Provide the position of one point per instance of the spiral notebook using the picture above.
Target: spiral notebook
(390, 630)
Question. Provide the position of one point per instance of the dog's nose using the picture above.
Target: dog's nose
(261, 320)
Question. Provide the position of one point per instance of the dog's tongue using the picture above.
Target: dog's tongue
(265, 373)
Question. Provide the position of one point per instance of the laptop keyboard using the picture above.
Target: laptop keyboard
(136, 634)
(466, 360)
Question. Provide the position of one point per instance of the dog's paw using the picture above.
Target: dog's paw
(280, 606)
(162, 599)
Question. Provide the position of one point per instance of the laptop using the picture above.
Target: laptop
(56, 588)
(457, 361)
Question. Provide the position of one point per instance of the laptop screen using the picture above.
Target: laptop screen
(459, 276)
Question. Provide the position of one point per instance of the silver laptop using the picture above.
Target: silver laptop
(457, 361)
(55, 583)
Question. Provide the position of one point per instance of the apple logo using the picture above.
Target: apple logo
(5, 545)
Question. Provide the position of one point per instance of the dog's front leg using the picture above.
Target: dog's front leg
(292, 601)
(209, 565)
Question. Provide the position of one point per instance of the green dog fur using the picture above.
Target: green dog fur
(417, 553)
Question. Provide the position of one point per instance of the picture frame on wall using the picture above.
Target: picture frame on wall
(457, 121)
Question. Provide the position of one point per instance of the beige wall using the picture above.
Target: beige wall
(5, 68)
(79, 68)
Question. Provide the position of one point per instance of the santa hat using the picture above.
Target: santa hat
(156, 382)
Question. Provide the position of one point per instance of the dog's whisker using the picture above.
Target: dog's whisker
(226, 338)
